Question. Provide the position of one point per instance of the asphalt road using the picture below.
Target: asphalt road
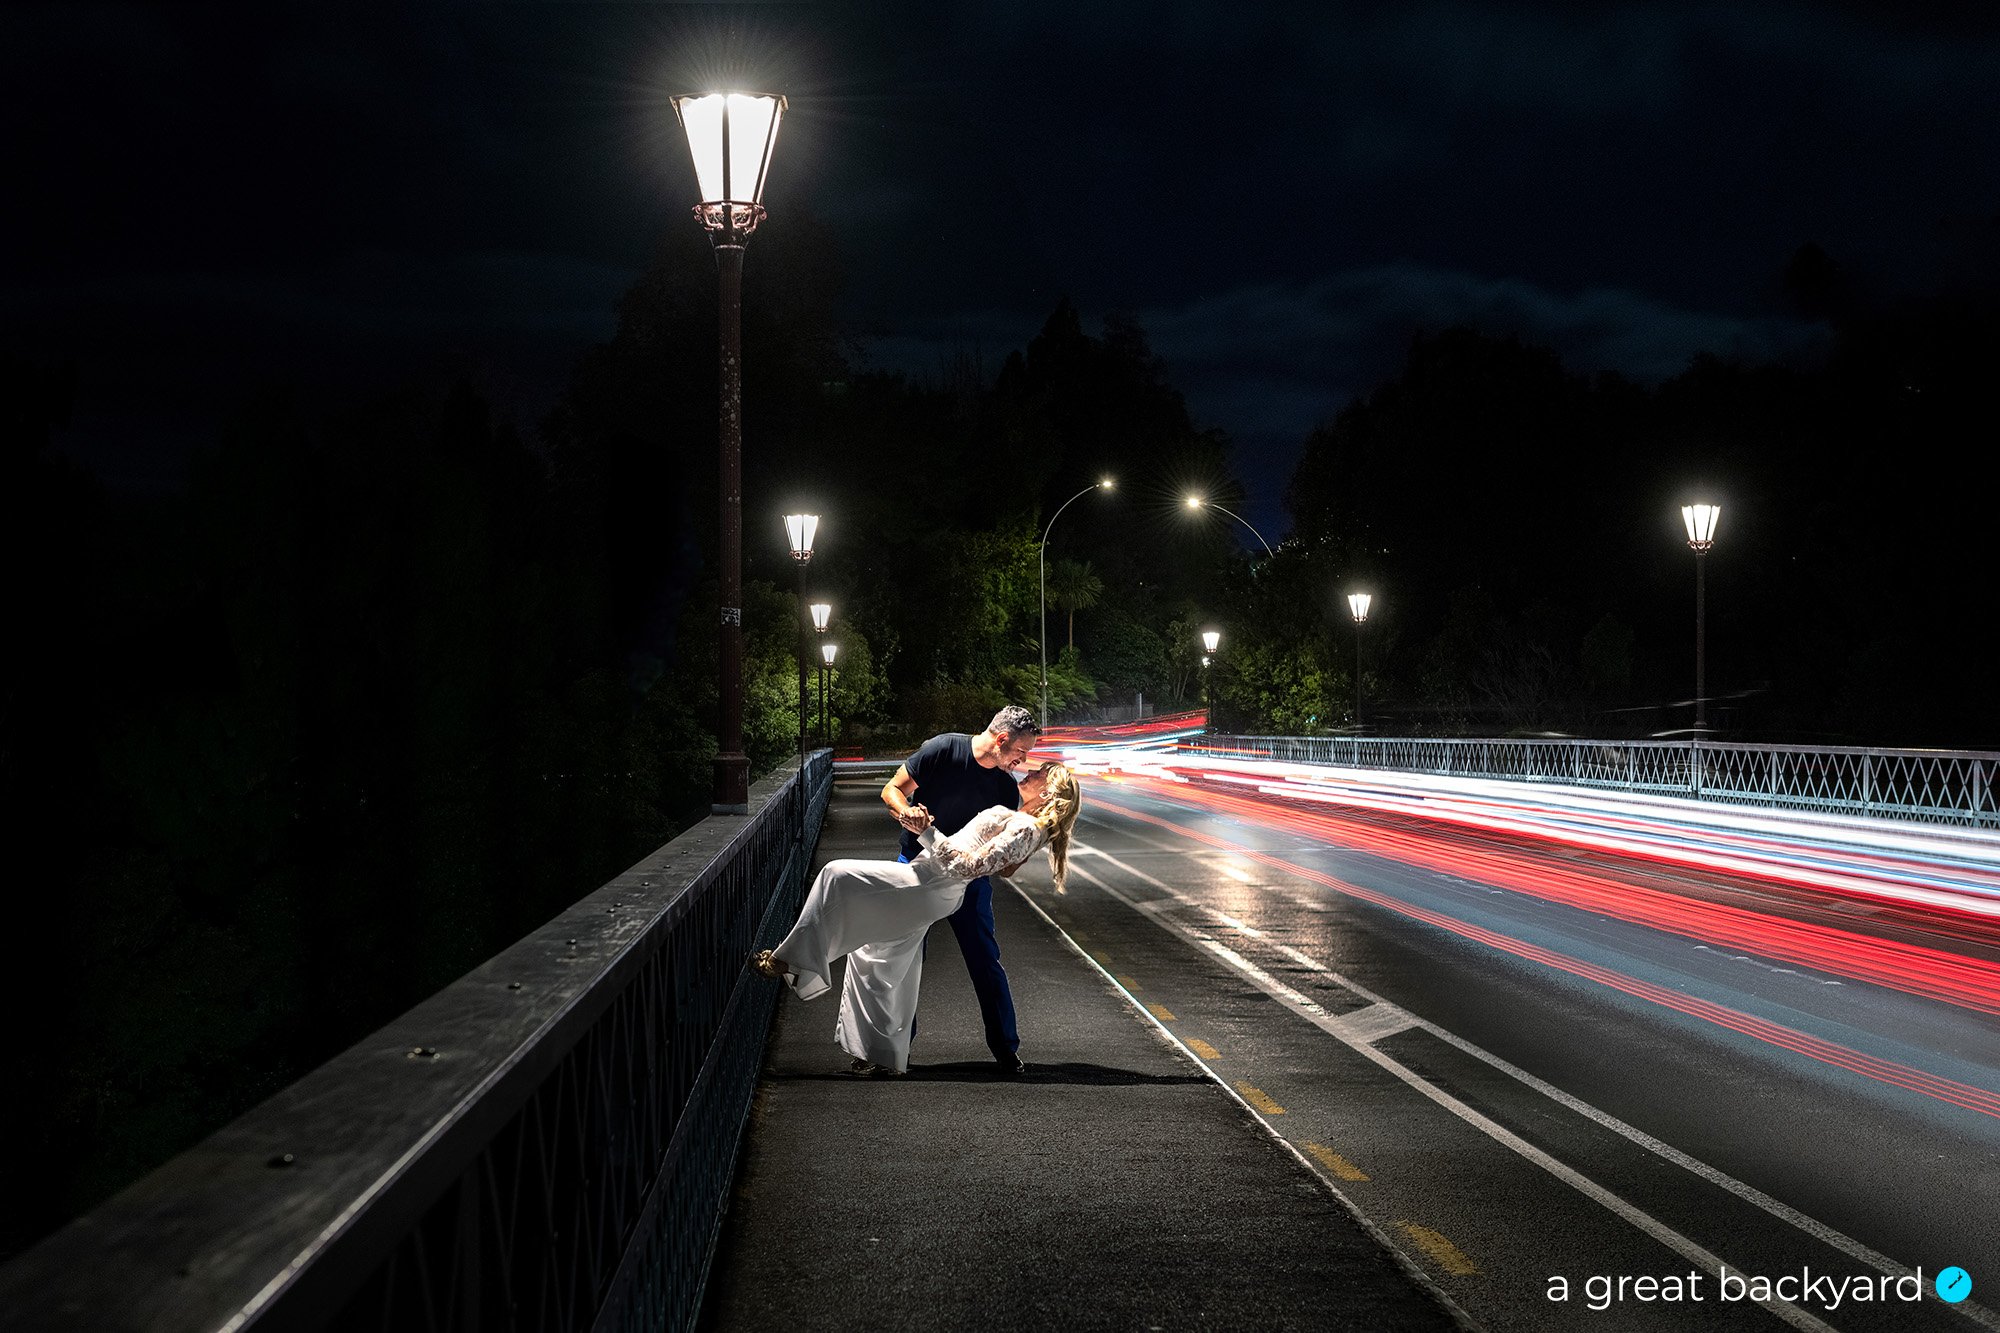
(1526, 1091)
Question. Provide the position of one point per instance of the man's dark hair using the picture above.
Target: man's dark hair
(1013, 720)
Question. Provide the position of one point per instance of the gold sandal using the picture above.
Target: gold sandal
(765, 964)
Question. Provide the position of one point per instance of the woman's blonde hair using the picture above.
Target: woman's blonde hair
(1061, 801)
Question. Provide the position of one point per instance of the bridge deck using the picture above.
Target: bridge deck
(1114, 1186)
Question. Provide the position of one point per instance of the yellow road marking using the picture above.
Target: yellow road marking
(1260, 1099)
(1203, 1049)
(1335, 1163)
(1126, 982)
(1442, 1252)
(1160, 1011)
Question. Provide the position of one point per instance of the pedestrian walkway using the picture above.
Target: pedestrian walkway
(1115, 1186)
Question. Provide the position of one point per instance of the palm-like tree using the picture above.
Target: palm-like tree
(1074, 587)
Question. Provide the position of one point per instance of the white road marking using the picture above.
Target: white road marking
(1157, 910)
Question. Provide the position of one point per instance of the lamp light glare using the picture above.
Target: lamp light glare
(1700, 520)
(1357, 604)
(1194, 502)
(800, 528)
(1211, 639)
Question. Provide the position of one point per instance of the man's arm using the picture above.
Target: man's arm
(896, 794)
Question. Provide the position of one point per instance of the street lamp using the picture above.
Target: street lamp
(1700, 520)
(800, 528)
(730, 136)
(1357, 606)
(1197, 502)
(1210, 641)
(1103, 485)
(826, 650)
(822, 614)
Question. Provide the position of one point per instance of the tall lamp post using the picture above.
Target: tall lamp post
(1357, 606)
(1200, 502)
(1210, 641)
(1103, 485)
(1700, 521)
(822, 614)
(800, 529)
(826, 650)
(730, 136)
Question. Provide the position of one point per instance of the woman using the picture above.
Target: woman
(877, 912)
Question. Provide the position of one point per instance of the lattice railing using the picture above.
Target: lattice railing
(545, 1144)
(1959, 787)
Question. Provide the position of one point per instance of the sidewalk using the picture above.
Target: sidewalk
(1114, 1187)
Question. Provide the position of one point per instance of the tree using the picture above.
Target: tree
(1074, 587)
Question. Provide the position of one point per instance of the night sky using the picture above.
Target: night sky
(206, 197)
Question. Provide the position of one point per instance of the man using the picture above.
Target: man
(954, 776)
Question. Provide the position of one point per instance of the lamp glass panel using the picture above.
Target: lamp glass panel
(1210, 639)
(821, 613)
(800, 528)
(827, 650)
(702, 118)
(1357, 602)
(1700, 520)
(753, 129)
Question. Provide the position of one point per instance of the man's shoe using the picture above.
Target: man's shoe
(1011, 1066)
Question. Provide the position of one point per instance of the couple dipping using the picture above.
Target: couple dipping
(973, 822)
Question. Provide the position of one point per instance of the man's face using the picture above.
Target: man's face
(1015, 747)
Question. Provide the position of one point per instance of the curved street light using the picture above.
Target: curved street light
(1200, 502)
(730, 136)
(1104, 484)
(1700, 520)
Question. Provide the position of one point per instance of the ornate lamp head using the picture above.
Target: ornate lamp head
(731, 136)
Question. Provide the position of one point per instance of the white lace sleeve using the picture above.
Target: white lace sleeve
(986, 845)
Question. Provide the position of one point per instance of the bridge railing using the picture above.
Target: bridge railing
(547, 1143)
(1957, 787)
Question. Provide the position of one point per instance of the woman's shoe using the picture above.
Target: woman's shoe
(765, 964)
(860, 1068)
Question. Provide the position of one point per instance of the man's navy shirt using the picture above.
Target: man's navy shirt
(953, 787)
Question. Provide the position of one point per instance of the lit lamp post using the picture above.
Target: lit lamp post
(1700, 521)
(1357, 606)
(1103, 485)
(800, 528)
(822, 614)
(730, 136)
(1198, 502)
(1210, 641)
(826, 650)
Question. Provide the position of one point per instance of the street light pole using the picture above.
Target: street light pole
(1700, 520)
(1103, 485)
(826, 650)
(800, 529)
(730, 136)
(1357, 606)
(822, 613)
(1201, 502)
(1210, 641)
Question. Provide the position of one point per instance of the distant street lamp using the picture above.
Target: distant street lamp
(1357, 606)
(822, 614)
(1198, 502)
(1700, 521)
(1103, 485)
(826, 650)
(730, 136)
(1210, 641)
(800, 529)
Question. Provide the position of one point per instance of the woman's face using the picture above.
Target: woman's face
(1034, 793)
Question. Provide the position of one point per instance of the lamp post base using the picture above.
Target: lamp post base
(732, 785)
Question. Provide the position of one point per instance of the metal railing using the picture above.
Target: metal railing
(1957, 787)
(547, 1143)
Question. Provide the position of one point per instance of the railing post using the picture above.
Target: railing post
(1868, 783)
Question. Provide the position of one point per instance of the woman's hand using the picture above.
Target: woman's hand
(916, 819)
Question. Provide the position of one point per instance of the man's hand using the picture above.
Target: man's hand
(916, 819)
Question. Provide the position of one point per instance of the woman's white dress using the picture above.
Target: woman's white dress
(877, 913)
